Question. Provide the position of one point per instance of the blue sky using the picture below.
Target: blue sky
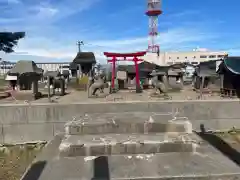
(53, 26)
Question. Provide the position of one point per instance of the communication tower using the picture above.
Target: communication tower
(153, 12)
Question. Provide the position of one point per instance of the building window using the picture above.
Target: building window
(212, 56)
(185, 57)
(203, 56)
(194, 57)
(177, 57)
(170, 58)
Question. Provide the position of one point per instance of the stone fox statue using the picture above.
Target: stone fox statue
(158, 85)
(97, 83)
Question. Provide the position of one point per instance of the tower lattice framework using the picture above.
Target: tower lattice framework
(153, 12)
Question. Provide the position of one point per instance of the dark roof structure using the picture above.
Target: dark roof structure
(127, 68)
(231, 64)
(23, 67)
(143, 67)
(206, 69)
(147, 66)
(85, 57)
(162, 70)
(73, 66)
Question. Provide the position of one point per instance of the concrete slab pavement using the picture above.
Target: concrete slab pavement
(209, 164)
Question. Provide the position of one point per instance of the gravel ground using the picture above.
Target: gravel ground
(74, 96)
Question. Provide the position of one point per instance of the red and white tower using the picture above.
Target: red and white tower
(153, 11)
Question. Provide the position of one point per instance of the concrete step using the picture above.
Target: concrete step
(116, 144)
(128, 124)
(206, 164)
(169, 166)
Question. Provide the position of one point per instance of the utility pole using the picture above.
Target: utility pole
(79, 44)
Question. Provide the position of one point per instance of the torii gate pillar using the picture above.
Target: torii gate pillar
(135, 59)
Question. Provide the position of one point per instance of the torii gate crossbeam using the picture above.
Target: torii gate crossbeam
(126, 57)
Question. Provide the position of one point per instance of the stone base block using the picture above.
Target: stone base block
(128, 124)
(116, 144)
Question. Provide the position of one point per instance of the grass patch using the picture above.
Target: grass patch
(15, 159)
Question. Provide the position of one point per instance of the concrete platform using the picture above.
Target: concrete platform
(116, 144)
(208, 164)
(127, 123)
(21, 123)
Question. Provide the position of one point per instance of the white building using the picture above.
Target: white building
(46, 66)
(53, 66)
(194, 57)
(5, 67)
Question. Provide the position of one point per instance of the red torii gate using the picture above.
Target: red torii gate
(135, 59)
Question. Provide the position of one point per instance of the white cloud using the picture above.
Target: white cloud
(184, 13)
(44, 42)
(176, 38)
(45, 11)
(172, 37)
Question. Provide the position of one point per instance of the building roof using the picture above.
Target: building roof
(73, 66)
(147, 66)
(232, 64)
(22, 67)
(127, 68)
(85, 57)
(207, 68)
(143, 67)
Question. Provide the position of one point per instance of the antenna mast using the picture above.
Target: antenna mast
(153, 12)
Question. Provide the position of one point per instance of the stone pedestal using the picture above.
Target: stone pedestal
(95, 136)
(35, 87)
(130, 147)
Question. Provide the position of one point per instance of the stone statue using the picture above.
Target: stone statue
(96, 83)
(158, 85)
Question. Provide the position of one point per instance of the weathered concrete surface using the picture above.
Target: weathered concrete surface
(21, 133)
(127, 123)
(42, 121)
(116, 144)
(197, 110)
(206, 164)
(139, 155)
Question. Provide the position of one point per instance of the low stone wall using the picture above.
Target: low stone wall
(21, 123)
